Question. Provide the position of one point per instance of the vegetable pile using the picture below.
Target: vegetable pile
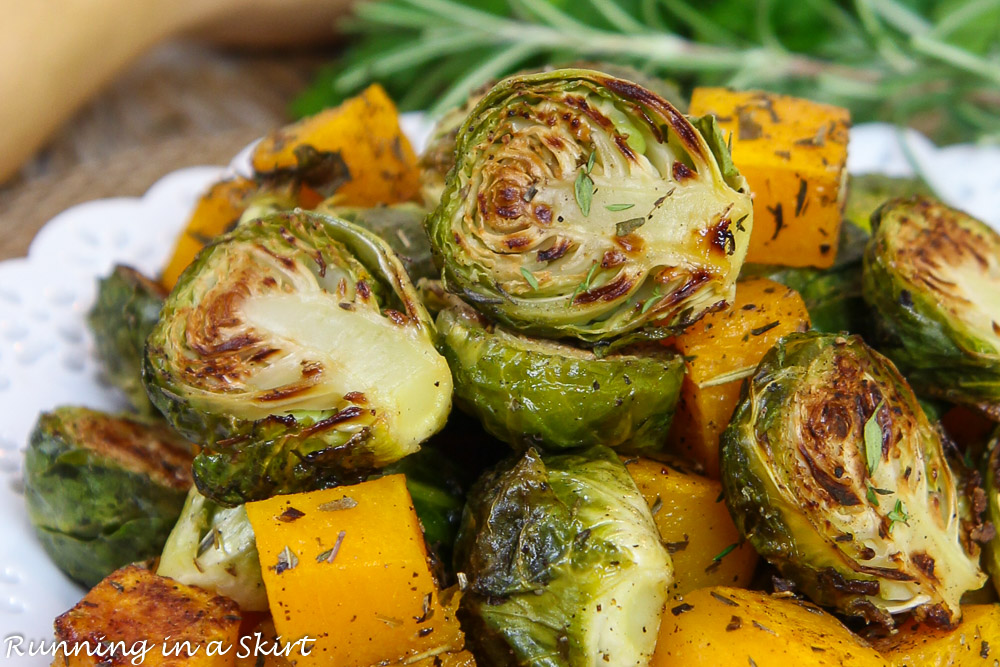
(707, 413)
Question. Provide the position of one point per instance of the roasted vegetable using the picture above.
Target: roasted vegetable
(348, 566)
(586, 206)
(866, 192)
(127, 308)
(563, 563)
(974, 643)
(102, 491)
(732, 626)
(932, 278)
(833, 473)
(720, 351)
(399, 225)
(213, 547)
(552, 395)
(695, 527)
(296, 352)
(355, 152)
(991, 557)
(137, 617)
(793, 153)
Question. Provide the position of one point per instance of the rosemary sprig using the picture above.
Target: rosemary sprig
(893, 60)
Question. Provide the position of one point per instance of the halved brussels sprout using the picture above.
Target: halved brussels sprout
(214, 548)
(582, 205)
(932, 277)
(296, 352)
(399, 225)
(563, 563)
(833, 473)
(126, 310)
(103, 491)
(551, 395)
(992, 480)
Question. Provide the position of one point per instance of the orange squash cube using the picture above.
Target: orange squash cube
(347, 568)
(793, 153)
(722, 349)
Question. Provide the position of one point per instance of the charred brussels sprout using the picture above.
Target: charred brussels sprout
(992, 551)
(399, 225)
(296, 352)
(103, 491)
(564, 563)
(127, 308)
(532, 392)
(932, 277)
(582, 205)
(833, 473)
(214, 548)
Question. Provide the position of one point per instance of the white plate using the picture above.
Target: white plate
(47, 357)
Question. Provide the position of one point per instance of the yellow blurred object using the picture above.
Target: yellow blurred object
(721, 349)
(359, 142)
(132, 605)
(793, 153)
(732, 626)
(695, 526)
(347, 567)
(975, 642)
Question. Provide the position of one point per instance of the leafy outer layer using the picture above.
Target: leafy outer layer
(296, 351)
(540, 160)
(564, 563)
(102, 491)
(991, 555)
(799, 487)
(554, 396)
(932, 278)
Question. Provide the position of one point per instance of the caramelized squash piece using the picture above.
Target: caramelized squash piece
(356, 150)
(721, 350)
(976, 641)
(793, 153)
(132, 605)
(348, 567)
(695, 526)
(732, 626)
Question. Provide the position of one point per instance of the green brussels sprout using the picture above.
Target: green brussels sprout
(865, 193)
(582, 205)
(103, 491)
(214, 548)
(296, 352)
(551, 395)
(127, 308)
(399, 225)
(562, 562)
(992, 488)
(932, 279)
(834, 474)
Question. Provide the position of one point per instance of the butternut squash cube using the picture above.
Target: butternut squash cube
(722, 349)
(347, 567)
(976, 641)
(695, 526)
(138, 611)
(793, 153)
(359, 146)
(732, 626)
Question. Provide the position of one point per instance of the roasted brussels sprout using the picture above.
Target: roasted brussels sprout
(213, 547)
(399, 225)
(563, 563)
(932, 278)
(865, 193)
(992, 479)
(833, 473)
(551, 395)
(296, 352)
(582, 205)
(127, 308)
(103, 491)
